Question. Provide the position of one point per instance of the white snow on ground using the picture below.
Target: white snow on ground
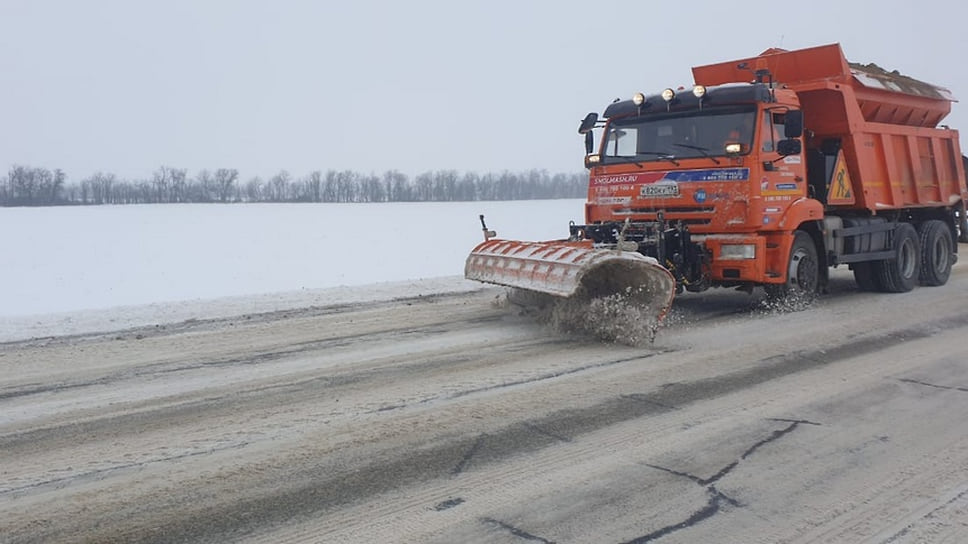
(123, 317)
(72, 270)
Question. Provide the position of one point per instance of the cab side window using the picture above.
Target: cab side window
(772, 129)
(767, 132)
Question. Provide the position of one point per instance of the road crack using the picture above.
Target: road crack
(934, 385)
(711, 509)
(516, 531)
(716, 498)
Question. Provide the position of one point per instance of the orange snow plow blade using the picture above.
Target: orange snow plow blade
(566, 269)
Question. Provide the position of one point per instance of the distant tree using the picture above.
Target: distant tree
(203, 188)
(43, 186)
(254, 190)
(312, 187)
(23, 185)
(56, 186)
(347, 188)
(467, 187)
(278, 187)
(225, 179)
(29, 186)
(146, 191)
(101, 187)
(371, 190)
(179, 185)
(398, 186)
(444, 185)
(329, 186)
(424, 187)
(161, 181)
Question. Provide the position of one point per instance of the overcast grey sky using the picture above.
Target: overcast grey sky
(370, 85)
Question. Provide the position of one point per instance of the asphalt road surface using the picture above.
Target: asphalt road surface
(453, 418)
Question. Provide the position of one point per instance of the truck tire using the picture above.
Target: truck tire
(937, 252)
(803, 272)
(900, 274)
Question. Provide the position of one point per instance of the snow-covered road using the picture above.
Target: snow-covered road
(451, 418)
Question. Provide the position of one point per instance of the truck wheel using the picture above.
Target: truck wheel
(803, 271)
(937, 250)
(900, 274)
(866, 277)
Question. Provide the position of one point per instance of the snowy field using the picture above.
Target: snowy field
(81, 269)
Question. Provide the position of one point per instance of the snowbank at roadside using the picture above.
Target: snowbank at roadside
(126, 317)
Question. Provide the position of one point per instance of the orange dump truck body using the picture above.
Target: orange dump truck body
(894, 155)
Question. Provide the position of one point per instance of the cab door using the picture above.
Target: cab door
(782, 179)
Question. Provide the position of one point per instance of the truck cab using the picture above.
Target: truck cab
(705, 180)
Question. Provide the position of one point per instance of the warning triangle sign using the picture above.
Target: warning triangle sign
(841, 191)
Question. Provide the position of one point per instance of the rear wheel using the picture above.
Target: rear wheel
(900, 274)
(803, 271)
(937, 252)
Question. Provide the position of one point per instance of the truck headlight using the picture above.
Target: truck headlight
(699, 91)
(668, 95)
(735, 252)
(638, 99)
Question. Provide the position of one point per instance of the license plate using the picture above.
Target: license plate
(659, 190)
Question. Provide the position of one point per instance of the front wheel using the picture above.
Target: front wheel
(803, 272)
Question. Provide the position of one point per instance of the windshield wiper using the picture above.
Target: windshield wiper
(636, 163)
(661, 155)
(703, 150)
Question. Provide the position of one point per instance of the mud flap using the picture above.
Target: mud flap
(962, 224)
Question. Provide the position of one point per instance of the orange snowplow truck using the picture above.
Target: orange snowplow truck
(767, 172)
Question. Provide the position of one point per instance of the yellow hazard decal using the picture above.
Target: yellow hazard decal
(840, 189)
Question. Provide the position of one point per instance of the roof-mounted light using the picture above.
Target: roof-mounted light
(638, 99)
(668, 95)
(699, 91)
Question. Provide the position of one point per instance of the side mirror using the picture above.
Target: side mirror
(588, 123)
(790, 146)
(589, 142)
(793, 124)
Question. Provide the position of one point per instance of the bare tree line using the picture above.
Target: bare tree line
(31, 186)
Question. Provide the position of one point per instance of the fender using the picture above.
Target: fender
(799, 212)
(802, 213)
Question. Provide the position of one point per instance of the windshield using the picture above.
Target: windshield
(679, 135)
